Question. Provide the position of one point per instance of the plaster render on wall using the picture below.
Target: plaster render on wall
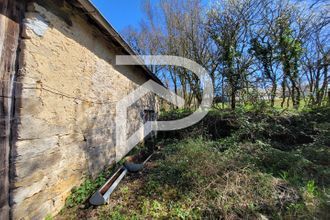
(69, 88)
(37, 24)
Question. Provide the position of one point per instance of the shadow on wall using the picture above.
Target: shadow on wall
(55, 154)
(99, 136)
(98, 128)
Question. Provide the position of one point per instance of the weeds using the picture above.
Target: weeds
(80, 194)
(270, 164)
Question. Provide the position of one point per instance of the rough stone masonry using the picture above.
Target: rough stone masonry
(66, 86)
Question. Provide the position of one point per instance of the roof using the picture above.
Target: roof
(92, 12)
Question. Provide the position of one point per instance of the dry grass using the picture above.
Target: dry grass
(230, 178)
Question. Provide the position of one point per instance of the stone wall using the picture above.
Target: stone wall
(69, 86)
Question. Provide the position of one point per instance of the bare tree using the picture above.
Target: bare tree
(248, 46)
(229, 23)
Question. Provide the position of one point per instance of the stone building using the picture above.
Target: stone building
(59, 86)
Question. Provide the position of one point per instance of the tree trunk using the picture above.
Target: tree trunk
(223, 92)
(233, 99)
(273, 94)
(325, 81)
(283, 91)
(294, 95)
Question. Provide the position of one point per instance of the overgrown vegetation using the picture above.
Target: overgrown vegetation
(270, 164)
(80, 194)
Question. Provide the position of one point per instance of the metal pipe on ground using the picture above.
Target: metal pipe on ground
(102, 195)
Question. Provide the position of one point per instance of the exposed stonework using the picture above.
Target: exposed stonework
(69, 87)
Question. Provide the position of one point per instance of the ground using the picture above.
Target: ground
(254, 164)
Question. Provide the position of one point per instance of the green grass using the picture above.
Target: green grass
(277, 104)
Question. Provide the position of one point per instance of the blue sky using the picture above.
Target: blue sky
(120, 13)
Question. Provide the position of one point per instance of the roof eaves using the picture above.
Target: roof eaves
(97, 16)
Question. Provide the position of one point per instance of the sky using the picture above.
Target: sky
(120, 13)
